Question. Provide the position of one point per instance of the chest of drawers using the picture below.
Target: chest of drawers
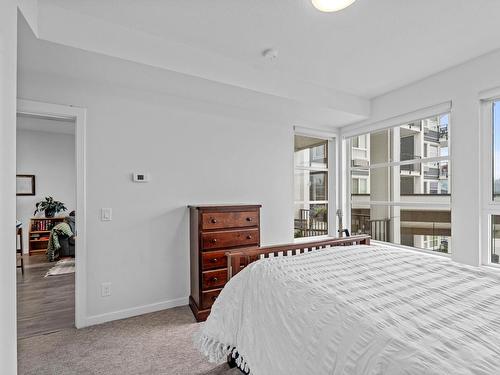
(215, 230)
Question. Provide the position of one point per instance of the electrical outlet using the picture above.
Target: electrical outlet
(105, 289)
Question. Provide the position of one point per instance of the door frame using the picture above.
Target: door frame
(77, 114)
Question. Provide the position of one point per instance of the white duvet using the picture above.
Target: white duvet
(358, 310)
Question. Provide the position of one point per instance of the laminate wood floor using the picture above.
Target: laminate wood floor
(44, 304)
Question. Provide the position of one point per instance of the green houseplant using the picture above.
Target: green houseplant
(50, 206)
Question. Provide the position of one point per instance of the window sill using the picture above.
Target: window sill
(311, 239)
(411, 248)
(492, 266)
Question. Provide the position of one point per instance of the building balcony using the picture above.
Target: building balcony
(362, 201)
(410, 129)
(410, 170)
(431, 136)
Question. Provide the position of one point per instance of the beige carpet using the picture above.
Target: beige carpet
(158, 343)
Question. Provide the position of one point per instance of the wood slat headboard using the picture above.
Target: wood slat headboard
(237, 260)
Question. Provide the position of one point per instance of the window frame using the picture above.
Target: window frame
(490, 207)
(347, 172)
(332, 180)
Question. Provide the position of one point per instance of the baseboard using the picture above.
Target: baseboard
(135, 311)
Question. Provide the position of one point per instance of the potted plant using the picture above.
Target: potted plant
(50, 207)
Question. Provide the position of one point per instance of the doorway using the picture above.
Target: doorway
(74, 117)
(46, 227)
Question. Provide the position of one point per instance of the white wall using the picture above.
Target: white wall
(51, 158)
(196, 152)
(8, 43)
(462, 86)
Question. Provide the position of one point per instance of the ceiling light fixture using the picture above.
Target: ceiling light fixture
(331, 5)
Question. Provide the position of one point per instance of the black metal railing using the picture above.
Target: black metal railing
(310, 225)
(443, 134)
(378, 229)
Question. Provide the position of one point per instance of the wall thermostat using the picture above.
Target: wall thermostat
(140, 177)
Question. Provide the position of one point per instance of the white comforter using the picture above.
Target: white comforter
(358, 310)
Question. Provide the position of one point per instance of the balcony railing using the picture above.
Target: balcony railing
(308, 225)
(431, 135)
(410, 168)
(377, 229)
(443, 134)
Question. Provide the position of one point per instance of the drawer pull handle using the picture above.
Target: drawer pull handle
(249, 237)
(214, 221)
(214, 240)
(214, 260)
(214, 279)
(249, 219)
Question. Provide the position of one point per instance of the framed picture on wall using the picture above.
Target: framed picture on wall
(25, 184)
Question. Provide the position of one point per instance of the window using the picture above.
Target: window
(492, 200)
(406, 175)
(495, 239)
(496, 150)
(311, 187)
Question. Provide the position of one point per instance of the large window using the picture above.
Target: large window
(311, 187)
(494, 193)
(400, 184)
(496, 150)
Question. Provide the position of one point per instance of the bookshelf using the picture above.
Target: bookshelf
(40, 232)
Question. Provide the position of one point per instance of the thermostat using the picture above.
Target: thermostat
(140, 177)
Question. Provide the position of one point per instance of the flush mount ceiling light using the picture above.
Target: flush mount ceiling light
(331, 5)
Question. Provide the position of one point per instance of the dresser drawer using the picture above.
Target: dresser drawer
(217, 240)
(221, 220)
(208, 298)
(213, 259)
(214, 279)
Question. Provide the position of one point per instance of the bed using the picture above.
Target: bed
(356, 310)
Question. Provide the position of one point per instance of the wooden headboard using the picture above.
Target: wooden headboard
(237, 260)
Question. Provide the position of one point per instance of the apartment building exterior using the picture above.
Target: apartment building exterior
(406, 200)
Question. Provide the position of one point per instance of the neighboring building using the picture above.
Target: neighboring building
(426, 182)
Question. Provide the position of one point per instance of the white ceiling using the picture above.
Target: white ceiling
(367, 50)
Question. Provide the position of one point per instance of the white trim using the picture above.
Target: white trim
(493, 266)
(489, 94)
(411, 248)
(419, 114)
(404, 162)
(135, 311)
(314, 169)
(486, 136)
(346, 183)
(411, 204)
(332, 187)
(77, 114)
(485, 238)
(310, 132)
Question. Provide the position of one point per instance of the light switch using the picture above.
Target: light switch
(106, 214)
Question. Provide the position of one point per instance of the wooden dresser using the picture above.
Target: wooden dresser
(214, 231)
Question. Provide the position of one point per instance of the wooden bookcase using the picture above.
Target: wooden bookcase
(40, 232)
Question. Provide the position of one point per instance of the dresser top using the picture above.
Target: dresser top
(225, 206)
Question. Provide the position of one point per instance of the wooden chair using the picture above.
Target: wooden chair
(19, 249)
